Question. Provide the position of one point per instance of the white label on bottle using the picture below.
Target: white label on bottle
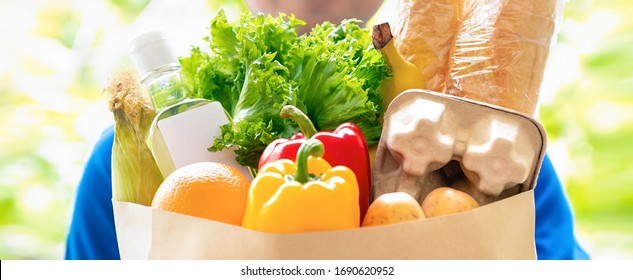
(189, 134)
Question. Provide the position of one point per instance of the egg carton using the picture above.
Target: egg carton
(430, 140)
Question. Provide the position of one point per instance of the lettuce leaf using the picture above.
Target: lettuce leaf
(258, 64)
(338, 75)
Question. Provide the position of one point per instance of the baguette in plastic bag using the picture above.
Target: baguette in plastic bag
(493, 51)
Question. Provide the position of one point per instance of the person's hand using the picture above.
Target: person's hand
(314, 12)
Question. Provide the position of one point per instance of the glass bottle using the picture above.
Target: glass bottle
(183, 128)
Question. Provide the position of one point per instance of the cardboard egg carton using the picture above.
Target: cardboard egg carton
(430, 140)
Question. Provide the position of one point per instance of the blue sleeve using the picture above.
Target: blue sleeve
(554, 232)
(92, 235)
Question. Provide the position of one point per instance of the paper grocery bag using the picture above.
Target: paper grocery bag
(500, 230)
(133, 223)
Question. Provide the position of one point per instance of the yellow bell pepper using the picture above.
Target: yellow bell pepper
(306, 195)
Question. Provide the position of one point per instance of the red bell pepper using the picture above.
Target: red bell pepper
(346, 146)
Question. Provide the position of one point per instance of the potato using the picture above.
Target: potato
(445, 201)
(391, 208)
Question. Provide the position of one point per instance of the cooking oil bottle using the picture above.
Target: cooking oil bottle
(183, 128)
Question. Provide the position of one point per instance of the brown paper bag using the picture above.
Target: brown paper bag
(501, 229)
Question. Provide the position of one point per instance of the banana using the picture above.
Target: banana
(405, 74)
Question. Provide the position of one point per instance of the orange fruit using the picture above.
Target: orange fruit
(208, 190)
(391, 208)
(444, 201)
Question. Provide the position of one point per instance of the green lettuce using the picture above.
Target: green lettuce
(258, 64)
(338, 75)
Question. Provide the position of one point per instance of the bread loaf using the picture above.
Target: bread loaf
(493, 51)
(470, 67)
(521, 43)
(500, 52)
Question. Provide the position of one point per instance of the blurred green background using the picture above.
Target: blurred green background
(56, 56)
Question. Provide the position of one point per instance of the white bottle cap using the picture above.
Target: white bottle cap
(151, 50)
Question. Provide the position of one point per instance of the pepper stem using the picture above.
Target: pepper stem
(306, 126)
(312, 147)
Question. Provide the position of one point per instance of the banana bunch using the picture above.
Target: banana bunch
(405, 74)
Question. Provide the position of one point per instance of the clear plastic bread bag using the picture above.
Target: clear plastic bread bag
(493, 51)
